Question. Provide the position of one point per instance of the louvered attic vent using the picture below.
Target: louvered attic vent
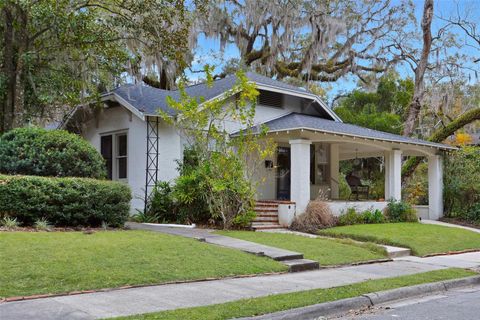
(270, 99)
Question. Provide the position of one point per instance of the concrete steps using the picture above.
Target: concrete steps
(298, 265)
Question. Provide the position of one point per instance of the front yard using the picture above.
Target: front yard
(327, 252)
(53, 262)
(422, 239)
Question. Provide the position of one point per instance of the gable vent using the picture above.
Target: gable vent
(270, 99)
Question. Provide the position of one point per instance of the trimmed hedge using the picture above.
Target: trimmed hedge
(49, 153)
(67, 202)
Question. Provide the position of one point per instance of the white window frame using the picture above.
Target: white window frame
(115, 156)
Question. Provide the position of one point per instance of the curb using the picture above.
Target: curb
(366, 300)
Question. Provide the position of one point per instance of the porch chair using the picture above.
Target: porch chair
(356, 186)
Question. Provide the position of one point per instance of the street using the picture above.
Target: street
(456, 304)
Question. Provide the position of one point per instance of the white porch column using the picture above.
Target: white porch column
(334, 170)
(393, 175)
(300, 173)
(435, 187)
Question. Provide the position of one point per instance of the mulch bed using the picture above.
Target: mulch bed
(460, 222)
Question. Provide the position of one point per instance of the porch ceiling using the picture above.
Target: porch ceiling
(351, 147)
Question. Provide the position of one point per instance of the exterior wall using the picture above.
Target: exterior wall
(119, 119)
(339, 207)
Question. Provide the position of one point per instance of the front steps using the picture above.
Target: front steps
(267, 216)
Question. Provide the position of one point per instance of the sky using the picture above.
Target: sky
(208, 50)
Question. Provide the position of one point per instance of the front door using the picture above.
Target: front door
(283, 173)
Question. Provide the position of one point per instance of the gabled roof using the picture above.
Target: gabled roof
(297, 121)
(149, 100)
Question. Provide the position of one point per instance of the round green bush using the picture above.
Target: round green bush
(54, 153)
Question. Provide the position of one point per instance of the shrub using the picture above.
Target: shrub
(317, 216)
(9, 223)
(375, 216)
(400, 211)
(55, 153)
(350, 217)
(42, 224)
(461, 181)
(64, 201)
(160, 207)
(473, 214)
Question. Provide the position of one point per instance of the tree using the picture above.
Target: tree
(380, 110)
(225, 165)
(59, 52)
(310, 39)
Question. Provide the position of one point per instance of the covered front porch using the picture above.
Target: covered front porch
(307, 163)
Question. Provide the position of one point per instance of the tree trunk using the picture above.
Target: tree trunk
(8, 70)
(440, 135)
(419, 89)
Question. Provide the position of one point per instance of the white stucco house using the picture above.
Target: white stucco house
(140, 148)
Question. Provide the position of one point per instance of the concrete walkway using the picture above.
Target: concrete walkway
(294, 260)
(451, 225)
(174, 296)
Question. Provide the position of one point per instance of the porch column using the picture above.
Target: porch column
(334, 170)
(435, 187)
(300, 173)
(393, 175)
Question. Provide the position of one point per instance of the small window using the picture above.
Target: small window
(114, 150)
(270, 99)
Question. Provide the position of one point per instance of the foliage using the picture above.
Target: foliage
(32, 262)
(375, 216)
(58, 53)
(343, 188)
(351, 217)
(463, 139)
(160, 206)
(64, 201)
(400, 211)
(42, 224)
(9, 223)
(473, 214)
(415, 189)
(380, 110)
(145, 217)
(461, 181)
(36, 151)
(224, 166)
(317, 216)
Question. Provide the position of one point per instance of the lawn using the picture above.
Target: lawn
(422, 239)
(279, 302)
(53, 262)
(326, 251)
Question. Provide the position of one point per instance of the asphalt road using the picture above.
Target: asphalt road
(462, 304)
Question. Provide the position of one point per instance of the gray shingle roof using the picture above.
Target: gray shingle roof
(148, 99)
(294, 121)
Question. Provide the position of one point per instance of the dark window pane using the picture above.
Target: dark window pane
(122, 168)
(106, 151)
(122, 145)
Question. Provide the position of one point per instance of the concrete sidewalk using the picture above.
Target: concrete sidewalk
(174, 296)
(451, 225)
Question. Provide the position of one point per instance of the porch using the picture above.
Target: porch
(307, 162)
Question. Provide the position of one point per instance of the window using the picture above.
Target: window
(114, 150)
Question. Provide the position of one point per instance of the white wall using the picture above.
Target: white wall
(120, 119)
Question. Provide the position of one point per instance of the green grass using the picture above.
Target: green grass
(326, 251)
(422, 239)
(53, 262)
(279, 302)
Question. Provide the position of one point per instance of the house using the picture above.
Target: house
(140, 148)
